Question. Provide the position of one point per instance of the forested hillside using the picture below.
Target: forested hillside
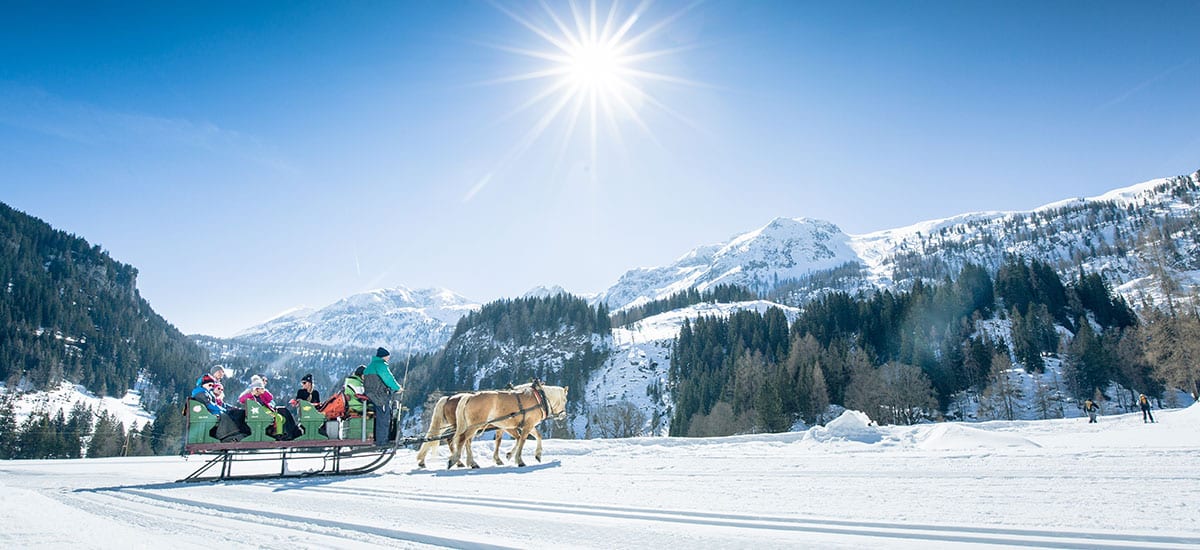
(71, 312)
(902, 356)
(559, 339)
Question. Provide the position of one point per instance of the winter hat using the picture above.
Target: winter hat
(256, 379)
(207, 379)
(217, 369)
(381, 353)
(307, 378)
(257, 384)
(360, 370)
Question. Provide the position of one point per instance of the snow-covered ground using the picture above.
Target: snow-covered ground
(127, 409)
(1056, 483)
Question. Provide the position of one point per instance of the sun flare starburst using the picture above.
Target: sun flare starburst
(594, 69)
(595, 66)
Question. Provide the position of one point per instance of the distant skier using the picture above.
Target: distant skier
(1091, 408)
(1145, 405)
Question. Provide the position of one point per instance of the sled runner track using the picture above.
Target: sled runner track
(153, 517)
(349, 532)
(930, 532)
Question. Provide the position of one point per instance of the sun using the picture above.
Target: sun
(593, 66)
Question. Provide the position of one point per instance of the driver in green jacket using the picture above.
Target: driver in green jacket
(379, 385)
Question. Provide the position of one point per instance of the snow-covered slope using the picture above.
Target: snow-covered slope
(420, 320)
(127, 409)
(1120, 234)
(1045, 484)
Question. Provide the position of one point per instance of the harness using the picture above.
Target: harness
(539, 398)
(540, 402)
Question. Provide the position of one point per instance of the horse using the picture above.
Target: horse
(513, 411)
(443, 419)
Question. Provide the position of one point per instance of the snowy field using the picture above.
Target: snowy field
(1057, 484)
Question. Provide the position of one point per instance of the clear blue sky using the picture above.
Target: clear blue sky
(252, 157)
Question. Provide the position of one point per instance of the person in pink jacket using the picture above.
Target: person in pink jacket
(258, 392)
(285, 427)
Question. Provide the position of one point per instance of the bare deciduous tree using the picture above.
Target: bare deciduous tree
(621, 419)
(892, 394)
(999, 399)
(720, 421)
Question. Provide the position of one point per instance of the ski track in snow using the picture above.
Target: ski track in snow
(304, 529)
(1119, 484)
(153, 511)
(856, 528)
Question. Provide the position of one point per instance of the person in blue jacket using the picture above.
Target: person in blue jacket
(379, 384)
(204, 394)
(218, 389)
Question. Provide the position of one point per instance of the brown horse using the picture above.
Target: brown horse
(442, 422)
(514, 411)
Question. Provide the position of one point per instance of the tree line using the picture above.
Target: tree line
(903, 355)
(721, 294)
(83, 433)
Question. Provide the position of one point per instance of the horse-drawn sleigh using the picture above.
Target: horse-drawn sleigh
(346, 446)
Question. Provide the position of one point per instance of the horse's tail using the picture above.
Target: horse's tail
(437, 424)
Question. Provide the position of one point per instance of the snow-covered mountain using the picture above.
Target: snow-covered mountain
(1134, 236)
(781, 250)
(400, 318)
(542, 291)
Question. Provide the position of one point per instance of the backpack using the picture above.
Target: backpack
(334, 407)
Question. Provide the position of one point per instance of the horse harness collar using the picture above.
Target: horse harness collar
(539, 398)
(539, 395)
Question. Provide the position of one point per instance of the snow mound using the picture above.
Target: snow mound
(958, 436)
(850, 426)
(1190, 414)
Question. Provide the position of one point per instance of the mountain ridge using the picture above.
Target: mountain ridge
(787, 250)
(792, 260)
(422, 319)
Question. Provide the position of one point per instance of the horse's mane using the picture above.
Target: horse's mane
(556, 396)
